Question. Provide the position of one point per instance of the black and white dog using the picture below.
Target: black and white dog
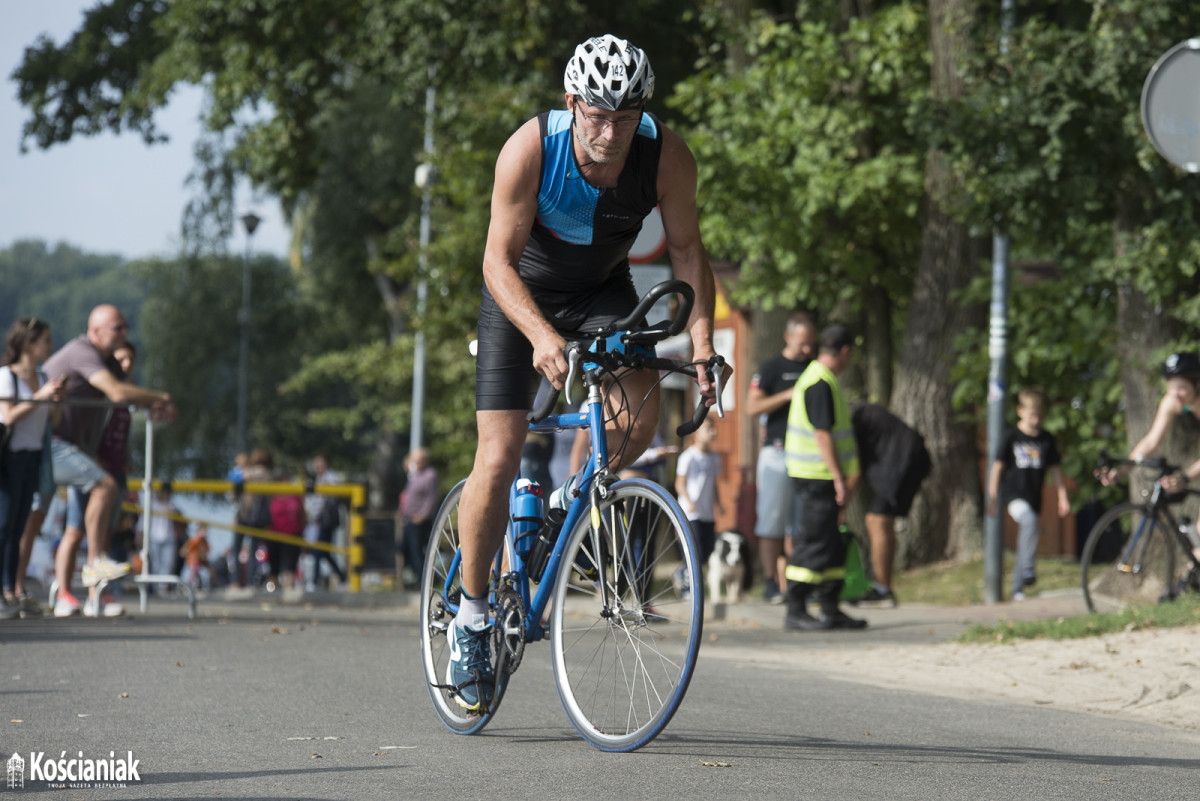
(728, 566)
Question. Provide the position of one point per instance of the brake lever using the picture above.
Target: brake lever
(573, 357)
(716, 366)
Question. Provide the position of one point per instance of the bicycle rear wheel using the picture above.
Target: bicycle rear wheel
(439, 584)
(1129, 558)
(623, 668)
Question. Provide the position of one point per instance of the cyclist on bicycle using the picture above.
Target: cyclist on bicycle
(572, 188)
(1182, 371)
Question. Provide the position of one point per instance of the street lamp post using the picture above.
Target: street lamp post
(251, 221)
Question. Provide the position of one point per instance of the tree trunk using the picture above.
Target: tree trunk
(945, 519)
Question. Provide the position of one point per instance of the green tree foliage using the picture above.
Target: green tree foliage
(322, 104)
(1049, 140)
(809, 176)
(63, 284)
(191, 346)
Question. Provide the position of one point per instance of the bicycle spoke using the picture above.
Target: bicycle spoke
(623, 669)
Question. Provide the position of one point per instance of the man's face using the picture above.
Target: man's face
(604, 135)
(801, 339)
(109, 332)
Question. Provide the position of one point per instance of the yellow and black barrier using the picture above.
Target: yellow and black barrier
(355, 493)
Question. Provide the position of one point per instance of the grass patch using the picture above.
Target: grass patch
(1184, 611)
(961, 584)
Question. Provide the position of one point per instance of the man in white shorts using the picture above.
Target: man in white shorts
(771, 396)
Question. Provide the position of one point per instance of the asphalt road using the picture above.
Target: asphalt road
(328, 703)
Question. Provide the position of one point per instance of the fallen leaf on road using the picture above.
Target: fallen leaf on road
(316, 756)
(279, 630)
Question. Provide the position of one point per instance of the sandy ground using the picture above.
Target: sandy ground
(1149, 675)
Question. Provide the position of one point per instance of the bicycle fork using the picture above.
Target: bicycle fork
(1140, 537)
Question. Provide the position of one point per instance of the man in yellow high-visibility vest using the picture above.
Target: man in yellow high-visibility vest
(823, 464)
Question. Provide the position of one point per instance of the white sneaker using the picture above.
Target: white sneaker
(65, 606)
(1018, 596)
(103, 569)
(108, 607)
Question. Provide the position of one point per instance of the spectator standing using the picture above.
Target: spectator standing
(163, 537)
(253, 511)
(696, 475)
(418, 505)
(823, 464)
(1026, 454)
(27, 344)
(894, 462)
(113, 455)
(324, 518)
(287, 517)
(770, 397)
(91, 373)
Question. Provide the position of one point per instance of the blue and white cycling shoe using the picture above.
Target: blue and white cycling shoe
(470, 668)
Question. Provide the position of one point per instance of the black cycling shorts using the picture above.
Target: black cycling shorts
(504, 374)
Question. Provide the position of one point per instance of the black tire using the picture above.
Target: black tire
(622, 671)
(1141, 574)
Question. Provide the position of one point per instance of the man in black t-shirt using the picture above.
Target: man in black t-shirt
(894, 462)
(770, 397)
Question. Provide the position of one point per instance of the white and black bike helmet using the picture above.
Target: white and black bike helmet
(610, 73)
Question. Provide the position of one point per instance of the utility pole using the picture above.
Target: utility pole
(250, 220)
(993, 539)
(424, 179)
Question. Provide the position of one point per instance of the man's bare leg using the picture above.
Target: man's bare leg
(770, 551)
(97, 519)
(483, 507)
(33, 524)
(64, 557)
(624, 401)
(881, 530)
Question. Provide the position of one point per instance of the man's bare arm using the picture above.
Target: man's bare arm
(514, 206)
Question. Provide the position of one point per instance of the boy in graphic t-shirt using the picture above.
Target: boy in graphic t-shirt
(1025, 454)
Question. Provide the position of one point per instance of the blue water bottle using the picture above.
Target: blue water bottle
(526, 515)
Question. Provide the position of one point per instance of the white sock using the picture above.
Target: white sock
(473, 613)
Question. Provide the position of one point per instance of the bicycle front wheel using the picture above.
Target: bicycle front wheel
(1129, 558)
(623, 656)
(441, 584)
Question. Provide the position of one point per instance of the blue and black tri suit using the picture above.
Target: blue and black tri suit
(576, 261)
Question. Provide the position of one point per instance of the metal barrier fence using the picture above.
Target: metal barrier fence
(355, 493)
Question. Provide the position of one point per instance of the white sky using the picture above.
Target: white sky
(105, 194)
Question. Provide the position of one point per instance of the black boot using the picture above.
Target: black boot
(833, 617)
(797, 617)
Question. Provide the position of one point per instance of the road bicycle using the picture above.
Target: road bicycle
(1139, 552)
(619, 574)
